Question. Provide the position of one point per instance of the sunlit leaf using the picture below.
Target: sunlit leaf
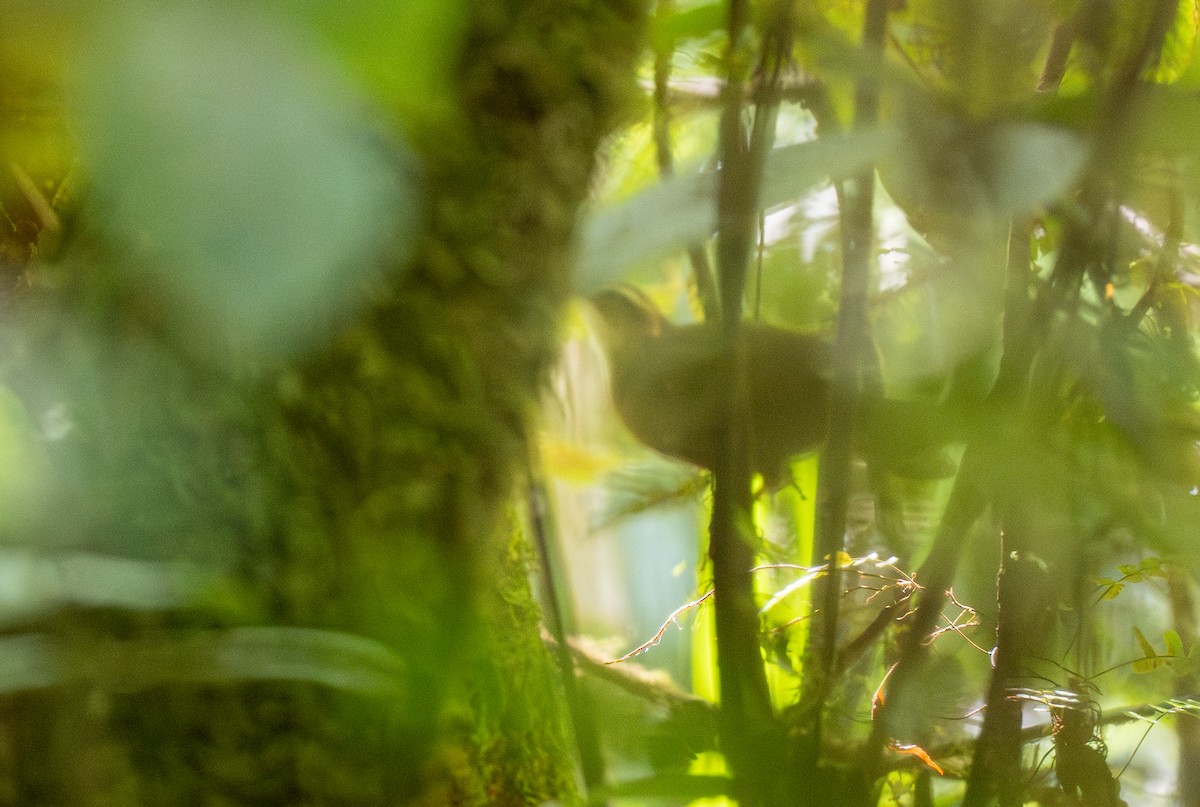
(1179, 46)
(239, 170)
(1150, 661)
(1143, 642)
(692, 23)
(1153, 567)
(1173, 644)
(1148, 664)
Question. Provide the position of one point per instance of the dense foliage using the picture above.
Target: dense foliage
(286, 453)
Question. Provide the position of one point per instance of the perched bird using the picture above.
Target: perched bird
(667, 387)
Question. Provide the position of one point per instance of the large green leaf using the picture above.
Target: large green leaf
(36, 584)
(238, 169)
(337, 660)
(953, 175)
(682, 210)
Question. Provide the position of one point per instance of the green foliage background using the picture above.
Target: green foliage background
(281, 288)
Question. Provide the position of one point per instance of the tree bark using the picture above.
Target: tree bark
(360, 489)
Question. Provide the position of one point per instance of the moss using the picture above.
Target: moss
(360, 488)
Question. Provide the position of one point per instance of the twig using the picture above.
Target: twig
(671, 620)
(856, 647)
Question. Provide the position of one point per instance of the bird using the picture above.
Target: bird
(667, 387)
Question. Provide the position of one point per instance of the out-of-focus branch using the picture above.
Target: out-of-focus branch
(747, 718)
(1055, 66)
(858, 254)
(644, 684)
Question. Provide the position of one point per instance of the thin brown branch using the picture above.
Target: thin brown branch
(657, 637)
(856, 647)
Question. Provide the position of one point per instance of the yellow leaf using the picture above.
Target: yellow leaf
(1112, 592)
(1148, 664)
(1150, 661)
(574, 462)
(1143, 642)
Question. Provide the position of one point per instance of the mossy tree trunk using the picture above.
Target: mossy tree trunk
(363, 487)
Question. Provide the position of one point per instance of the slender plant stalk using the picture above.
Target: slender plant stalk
(559, 617)
(858, 246)
(745, 699)
(747, 721)
(1183, 611)
(996, 767)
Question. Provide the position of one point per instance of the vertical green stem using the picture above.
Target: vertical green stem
(747, 718)
(852, 334)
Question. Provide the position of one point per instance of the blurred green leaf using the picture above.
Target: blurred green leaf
(691, 23)
(34, 584)
(337, 660)
(670, 215)
(673, 786)
(953, 173)
(1033, 164)
(403, 52)
(24, 464)
(241, 168)
(1179, 47)
(1173, 644)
